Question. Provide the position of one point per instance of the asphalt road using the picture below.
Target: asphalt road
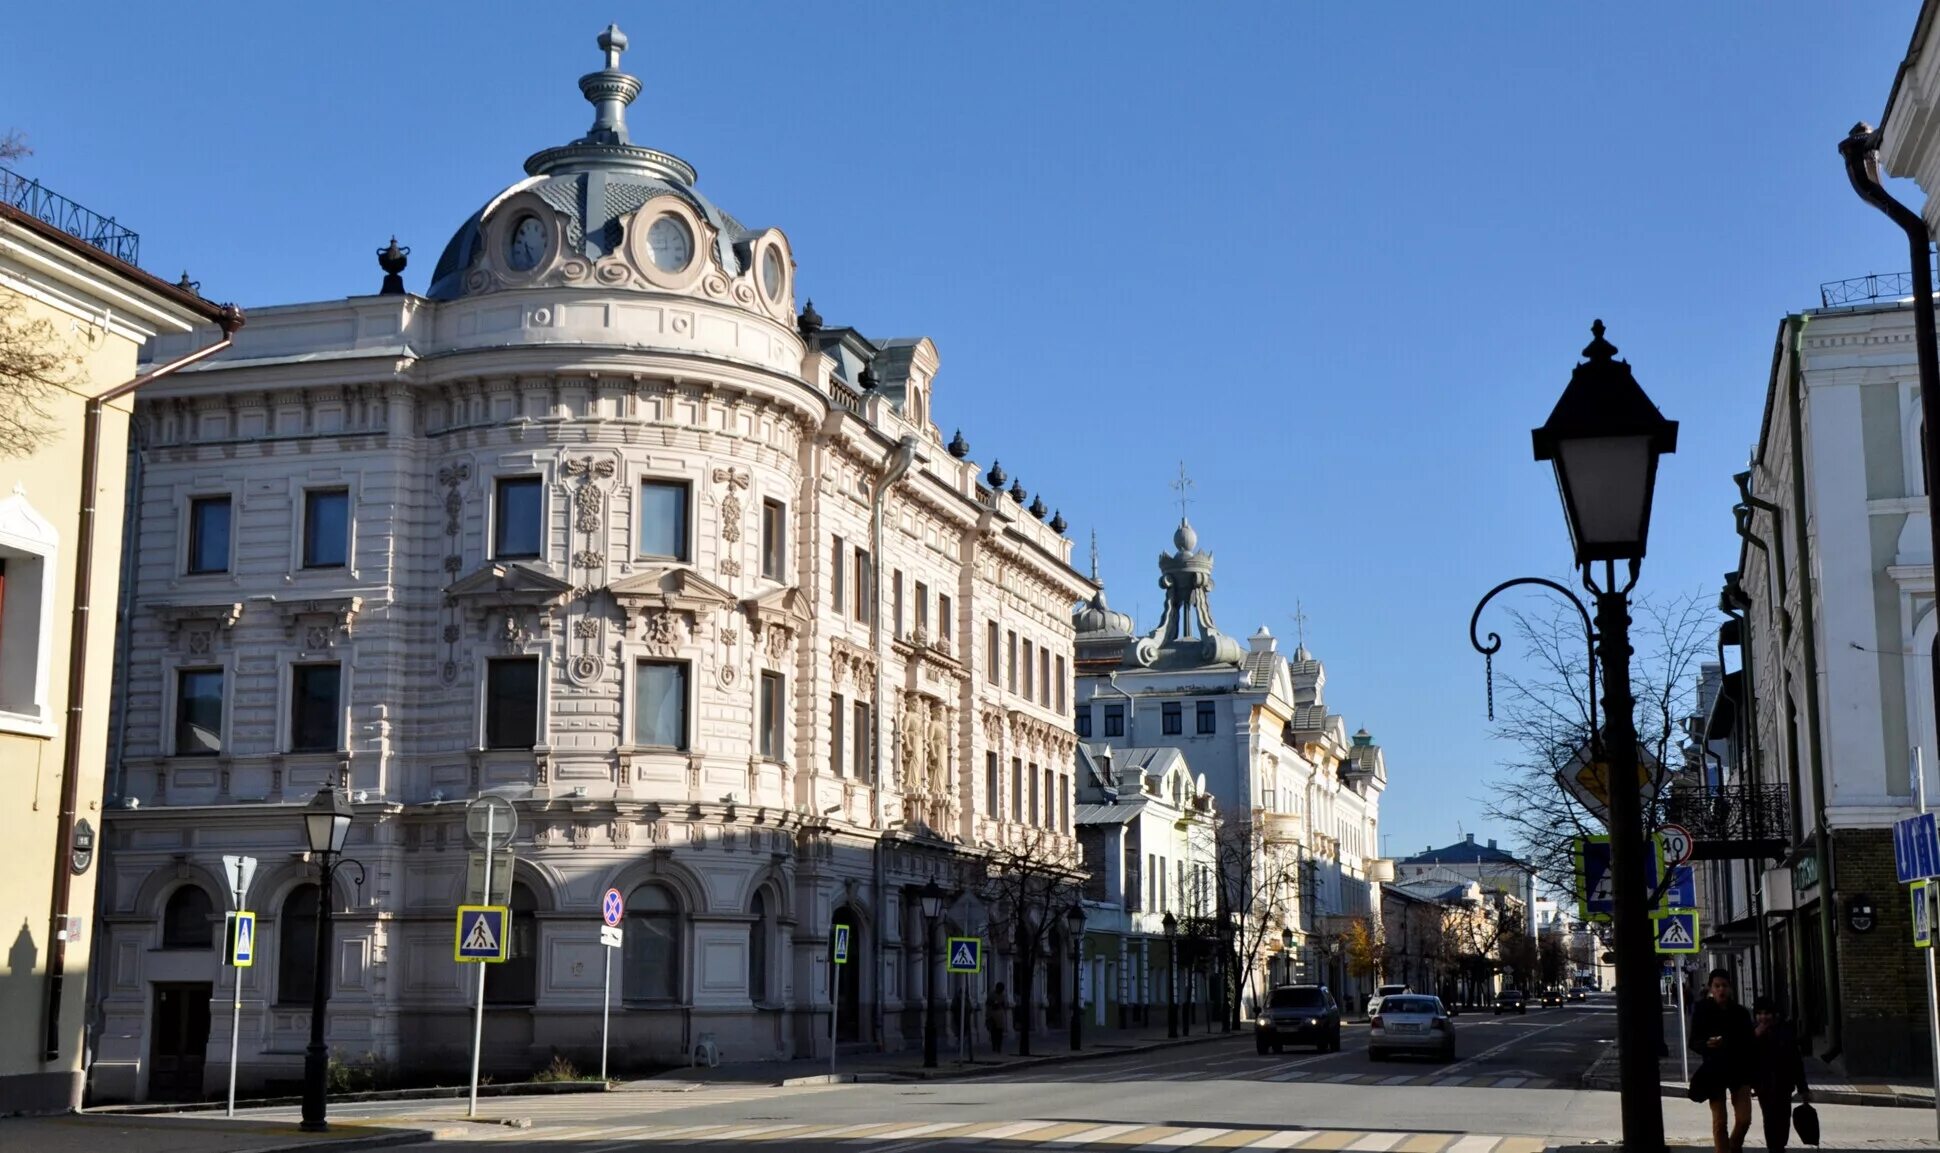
(1511, 1090)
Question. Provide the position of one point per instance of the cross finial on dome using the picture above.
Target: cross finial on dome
(613, 42)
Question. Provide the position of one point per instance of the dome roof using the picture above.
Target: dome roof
(1095, 617)
(592, 184)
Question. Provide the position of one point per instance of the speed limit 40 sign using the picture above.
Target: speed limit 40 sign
(1678, 844)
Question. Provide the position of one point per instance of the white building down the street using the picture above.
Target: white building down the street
(1254, 726)
(599, 524)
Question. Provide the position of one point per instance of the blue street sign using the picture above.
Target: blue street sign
(1677, 932)
(481, 933)
(1916, 848)
(1594, 880)
(1683, 891)
(966, 954)
(840, 953)
(613, 907)
(242, 940)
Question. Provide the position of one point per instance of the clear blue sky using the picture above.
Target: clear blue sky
(1338, 259)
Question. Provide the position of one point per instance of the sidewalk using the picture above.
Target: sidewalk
(93, 1132)
(1048, 1048)
(1827, 1087)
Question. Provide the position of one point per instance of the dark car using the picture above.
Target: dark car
(1510, 1001)
(1576, 992)
(1298, 1015)
(1552, 997)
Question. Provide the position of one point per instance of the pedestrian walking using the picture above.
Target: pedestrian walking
(1778, 1071)
(1722, 1035)
(993, 1016)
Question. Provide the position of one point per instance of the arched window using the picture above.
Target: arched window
(515, 980)
(296, 947)
(758, 948)
(189, 920)
(651, 954)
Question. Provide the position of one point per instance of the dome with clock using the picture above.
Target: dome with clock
(603, 212)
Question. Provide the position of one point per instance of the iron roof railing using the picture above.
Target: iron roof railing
(1868, 288)
(77, 220)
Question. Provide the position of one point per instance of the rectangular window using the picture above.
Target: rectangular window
(1044, 676)
(993, 657)
(1017, 788)
(315, 692)
(209, 534)
(1152, 882)
(1114, 720)
(326, 528)
(837, 718)
(660, 704)
(1064, 804)
(773, 705)
(946, 623)
(992, 799)
(1082, 722)
(198, 712)
(861, 586)
(923, 610)
(512, 703)
(1011, 658)
(1060, 690)
(1171, 718)
(864, 739)
(1165, 887)
(774, 540)
(896, 600)
(1208, 723)
(663, 519)
(1050, 793)
(515, 517)
(1027, 670)
(838, 570)
(1033, 808)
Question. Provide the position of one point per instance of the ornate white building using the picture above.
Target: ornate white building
(600, 525)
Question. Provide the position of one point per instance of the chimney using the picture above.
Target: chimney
(1471, 838)
(1491, 842)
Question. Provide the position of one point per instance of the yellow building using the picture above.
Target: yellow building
(74, 312)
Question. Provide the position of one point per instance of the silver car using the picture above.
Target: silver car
(1411, 1023)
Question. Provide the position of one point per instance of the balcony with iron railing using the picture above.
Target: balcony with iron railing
(77, 220)
(1733, 822)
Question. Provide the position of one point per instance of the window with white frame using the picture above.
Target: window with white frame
(773, 705)
(326, 528)
(660, 704)
(209, 534)
(316, 693)
(774, 540)
(511, 702)
(198, 712)
(27, 566)
(517, 515)
(663, 519)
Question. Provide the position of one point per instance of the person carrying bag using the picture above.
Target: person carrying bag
(1779, 1071)
(1721, 1033)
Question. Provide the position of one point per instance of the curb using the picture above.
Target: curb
(1602, 1075)
(510, 1089)
(374, 1141)
(965, 1072)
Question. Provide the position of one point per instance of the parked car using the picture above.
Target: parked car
(1510, 1001)
(1374, 1002)
(1298, 1015)
(1411, 1023)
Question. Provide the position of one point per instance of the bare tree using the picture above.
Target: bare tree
(1027, 885)
(1542, 707)
(35, 362)
(1259, 879)
(1553, 958)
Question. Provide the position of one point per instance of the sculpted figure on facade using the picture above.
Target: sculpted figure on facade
(909, 730)
(939, 751)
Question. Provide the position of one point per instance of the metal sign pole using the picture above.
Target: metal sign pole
(606, 1010)
(235, 1004)
(835, 1006)
(478, 1011)
(1933, 970)
(1683, 1024)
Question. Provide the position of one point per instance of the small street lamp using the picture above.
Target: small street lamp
(1172, 975)
(1286, 954)
(1604, 438)
(326, 823)
(1075, 921)
(932, 902)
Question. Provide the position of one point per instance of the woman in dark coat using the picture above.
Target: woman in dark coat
(1778, 1070)
(1721, 1033)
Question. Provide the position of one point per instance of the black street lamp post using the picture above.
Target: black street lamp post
(1075, 921)
(1172, 975)
(932, 900)
(1604, 438)
(326, 821)
(1286, 957)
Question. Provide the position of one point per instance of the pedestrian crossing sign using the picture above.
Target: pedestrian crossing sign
(481, 933)
(840, 951)
(1922, 914)
(242, 940)
(966, 954)
(1677, 932)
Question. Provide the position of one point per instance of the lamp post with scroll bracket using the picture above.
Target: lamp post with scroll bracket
(326, 826)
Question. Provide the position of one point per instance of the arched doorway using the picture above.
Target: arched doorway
(848, 1009)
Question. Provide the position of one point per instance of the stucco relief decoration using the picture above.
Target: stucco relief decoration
(589, 498)
(201, 641)
(586, 629)
(513, 631)
(730, 503)
(664, 633)
(621, 833)
(910, 739)
(316, 637)
(938, 736)
(453, 476)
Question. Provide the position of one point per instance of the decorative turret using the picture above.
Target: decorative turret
(810, 321)
(959, 447)
(392, 260)
(1187, 636)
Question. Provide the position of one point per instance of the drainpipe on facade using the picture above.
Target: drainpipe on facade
(1131, 710)
(893, 470)
(1734, 604)
(77, 675)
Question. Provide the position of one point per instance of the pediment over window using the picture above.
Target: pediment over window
(785, 606)
(222, 614)
(340, 612)
(507, 583)
(668, 587)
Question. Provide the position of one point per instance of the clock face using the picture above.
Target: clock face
(528, 244)
(772, 273)
(670, 243)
